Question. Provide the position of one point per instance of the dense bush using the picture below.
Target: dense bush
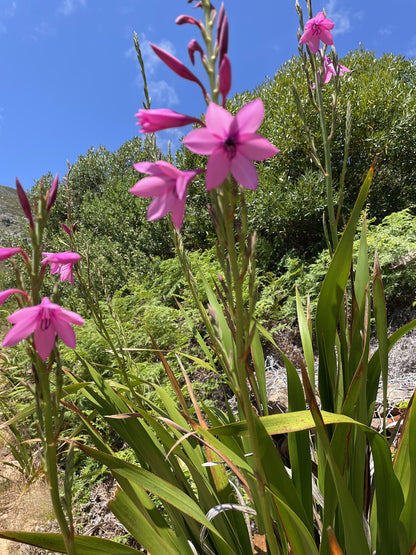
(287, 208)
(395, 241)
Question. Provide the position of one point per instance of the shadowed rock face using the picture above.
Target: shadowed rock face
(10, 213)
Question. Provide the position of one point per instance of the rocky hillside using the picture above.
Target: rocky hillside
(10, 214)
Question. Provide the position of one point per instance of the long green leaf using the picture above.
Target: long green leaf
(157, 540)
(87, 545)
(159, 487)
(284, 423)
(404, 467)
(330, 299)
(374, 363)
(299, 447)
(306, 339)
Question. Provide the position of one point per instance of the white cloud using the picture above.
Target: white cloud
(162, 93)
(385, 31)
(68, 6)
(10, 10)
(411, 51)
(151, 61)
(43, 29)
(340, 16)
(7, 12)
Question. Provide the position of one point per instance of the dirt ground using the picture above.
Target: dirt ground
(20, 509)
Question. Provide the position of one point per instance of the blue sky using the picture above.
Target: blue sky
(70, 78)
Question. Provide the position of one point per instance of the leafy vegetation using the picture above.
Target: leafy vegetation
(153, 320)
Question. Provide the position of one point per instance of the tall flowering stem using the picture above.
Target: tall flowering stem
(39, 323)
(316, 30)
(232, 144)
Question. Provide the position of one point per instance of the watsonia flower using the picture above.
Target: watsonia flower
(45, 320)
(168, 185)
(62, 263)
(317, 29)
(231, 143)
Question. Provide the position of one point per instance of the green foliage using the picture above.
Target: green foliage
(395, 240)
(112, 230)
(288, 205)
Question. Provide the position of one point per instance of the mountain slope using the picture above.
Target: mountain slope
(10, 213)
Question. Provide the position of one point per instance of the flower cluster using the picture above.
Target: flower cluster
(319, 29)
(329, 70)
(231, 142)
(47, 319)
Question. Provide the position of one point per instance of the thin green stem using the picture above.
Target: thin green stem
(241, 349)
(328, 164)
(51, 460)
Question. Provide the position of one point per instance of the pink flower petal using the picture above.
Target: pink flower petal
(326, 37)
(182, 183)
(66, 273)
(313, 44)
(218, 168)
(159, 207)
(307, 35)
(218, 120)
(65, 332)
(147, 167)
(152, 186)
(70, 317)
(19, 331)
(244, 172)
(24, 314)
(202, 141)
(250, 116)
(256, 147)
(177, 213)
(44, 340)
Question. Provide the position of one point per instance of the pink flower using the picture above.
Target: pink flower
(329, 70)
(316, 29)
(46, 320)
(168, 185)
(7, 292)
(6, 252)
(155, 120)
(62, 263)
(231, 142)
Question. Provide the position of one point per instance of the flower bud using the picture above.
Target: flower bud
(24, 202)
(222, 33)
(182, 19)
(177, 66)
(53, 191)
(193, 47)
(224, 84)
(155, 120)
